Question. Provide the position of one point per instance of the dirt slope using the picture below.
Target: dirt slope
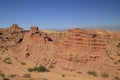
(72, 54)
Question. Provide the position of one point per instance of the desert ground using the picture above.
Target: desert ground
(73, 54)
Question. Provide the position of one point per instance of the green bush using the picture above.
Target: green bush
(42, 69)
(38, 69)
(93, 73)
(104, 75)
(35, 68)
(27, 75)
(116, 78)
(12, 75)
(30, 69)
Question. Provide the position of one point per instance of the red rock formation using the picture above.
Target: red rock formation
(12, 35)
(35, 36)
(74, 50)
(78, 47)
(34, 30)
(15, 28)
(84, 39)
(81, 46)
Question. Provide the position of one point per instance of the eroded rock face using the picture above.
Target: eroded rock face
(34, 30)
(74, 50)
(80, 46)
(35, 36)
(77, 47)
(15, 29)
(15, 26)
(11, 35)
(84, 39)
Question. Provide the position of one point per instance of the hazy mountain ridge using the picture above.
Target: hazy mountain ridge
(112, 28)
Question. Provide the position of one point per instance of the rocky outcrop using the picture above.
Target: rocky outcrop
(15, 29)
(84, 39)
(74, 50)
(78, 47)
(81, 46)
(12, 35)
(36, 36)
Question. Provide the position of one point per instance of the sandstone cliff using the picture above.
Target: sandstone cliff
(74, 50)
(78, 49)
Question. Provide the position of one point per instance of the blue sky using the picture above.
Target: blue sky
(58, 14)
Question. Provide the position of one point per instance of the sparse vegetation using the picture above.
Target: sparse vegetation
(42, 69)
(118, 54)
(6, 79)
(45, 79)
(35, 68)
(79, 72)
(93, 73)
(99, 55)
(23, 63)
(1, 46)
(113, 40)
(3, 51)
(38, 69)
(63, 75)
(27, 75)
(118, 61)
(30, 69)
(7, 61)
(116, 78)
(2, 74)
(111, 58)
(115, 63)
(12, 75)
(104, 75)
(32, 79)
(118, 45)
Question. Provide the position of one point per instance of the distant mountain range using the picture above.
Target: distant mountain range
(112, 28)
(102, 27)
